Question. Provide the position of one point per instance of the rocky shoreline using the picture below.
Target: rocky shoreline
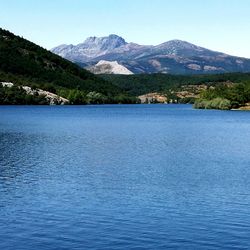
(52, 98)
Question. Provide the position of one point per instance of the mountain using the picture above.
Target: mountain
(93, 47)
(174, 57)
(26, 64)
(107, 67)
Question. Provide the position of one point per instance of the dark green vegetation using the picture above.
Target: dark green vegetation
(18, 96)
(224, 97)
(224, 91)
(146, 83)
(24, 63)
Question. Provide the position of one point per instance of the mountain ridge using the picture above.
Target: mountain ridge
(174, 56)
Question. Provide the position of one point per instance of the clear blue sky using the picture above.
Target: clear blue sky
(222, 25)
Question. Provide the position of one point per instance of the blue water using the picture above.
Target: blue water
(124, 177)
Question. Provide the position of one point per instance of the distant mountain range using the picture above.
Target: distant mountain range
(174, 57)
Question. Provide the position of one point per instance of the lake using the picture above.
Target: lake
(124, 177)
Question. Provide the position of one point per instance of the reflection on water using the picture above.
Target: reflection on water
(124, 177)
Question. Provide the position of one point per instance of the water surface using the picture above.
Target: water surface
(124, 177)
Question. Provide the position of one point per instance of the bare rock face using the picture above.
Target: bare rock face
(194, 66)
(153, 98)
(174, 57)
(92, 47)
(52, 98)
(7, 84)
(107, 67)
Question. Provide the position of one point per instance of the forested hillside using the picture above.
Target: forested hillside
(145, 83)
(25, 63)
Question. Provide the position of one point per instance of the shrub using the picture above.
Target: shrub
(216, 103)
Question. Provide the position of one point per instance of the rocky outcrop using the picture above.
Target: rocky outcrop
(153, 98)
(107, 67)
(246, 107)
(52, 98)
(7, 84)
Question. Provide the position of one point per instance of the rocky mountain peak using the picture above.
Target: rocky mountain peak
(104, 43)
(178, 45)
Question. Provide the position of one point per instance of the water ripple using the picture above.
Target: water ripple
(124, 177)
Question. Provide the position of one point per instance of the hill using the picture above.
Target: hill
(172, 57)
(219, 91)
(25, 63)
(145, 83)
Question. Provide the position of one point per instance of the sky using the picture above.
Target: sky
(221, 25)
